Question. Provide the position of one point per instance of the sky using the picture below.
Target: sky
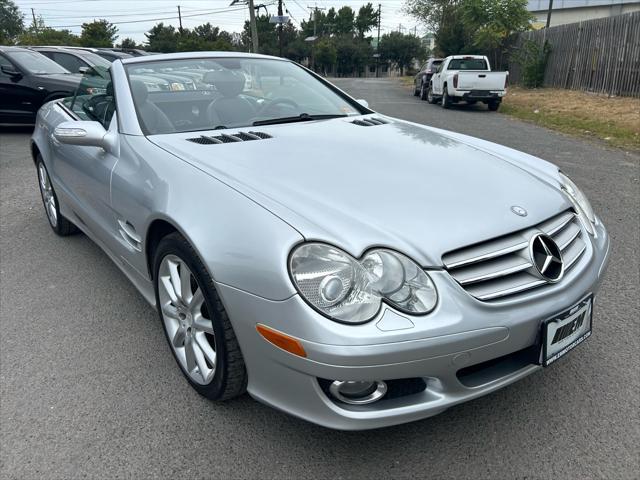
(135, 17)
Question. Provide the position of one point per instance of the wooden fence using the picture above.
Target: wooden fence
(601, 55)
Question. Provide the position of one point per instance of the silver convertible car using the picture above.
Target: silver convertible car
(348, 268)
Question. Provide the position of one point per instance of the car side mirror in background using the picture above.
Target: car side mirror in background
(85, 133)
(363, 102)
(83, 70)
(11, 71)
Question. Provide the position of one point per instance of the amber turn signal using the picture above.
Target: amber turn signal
(280, 340)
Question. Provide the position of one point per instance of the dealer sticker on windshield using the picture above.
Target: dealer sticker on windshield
(566, 331)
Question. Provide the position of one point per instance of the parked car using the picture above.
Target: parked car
(105, 53)
(80, 60)
(467, 78)
(27, 80)
(288, 256)
(423, 77)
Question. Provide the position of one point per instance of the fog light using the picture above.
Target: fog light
(357, 392)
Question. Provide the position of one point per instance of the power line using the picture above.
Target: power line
(174, 17)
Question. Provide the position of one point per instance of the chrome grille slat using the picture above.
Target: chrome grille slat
(502, 267)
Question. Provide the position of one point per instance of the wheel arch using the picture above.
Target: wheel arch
(35, 151)
(156, 231)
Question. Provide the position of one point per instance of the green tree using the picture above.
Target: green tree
(39, 34)
(344, 21)
(326, 54)
(99, 33)
(492, 21)
(400, 49)
(366, 20)
(11, 22)
(128, 43)
(353, 54)
(470, 26)
(162, 38)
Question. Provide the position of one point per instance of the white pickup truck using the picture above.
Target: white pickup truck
(467, 78)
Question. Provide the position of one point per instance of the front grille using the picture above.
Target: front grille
(227, 138)
(369, 122)
(502, 267)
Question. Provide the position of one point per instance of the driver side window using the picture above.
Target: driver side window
(93, 99)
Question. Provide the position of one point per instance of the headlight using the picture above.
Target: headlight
(580, 201)
(351, 290)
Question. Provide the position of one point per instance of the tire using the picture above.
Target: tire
(494, 106)
(416, 91)
(423, 91)
(446, 101)
(197, 327)
(431, 98)
(58, 222)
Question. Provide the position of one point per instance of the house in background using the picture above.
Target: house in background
(571, 11)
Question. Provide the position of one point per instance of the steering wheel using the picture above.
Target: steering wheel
(276, 101)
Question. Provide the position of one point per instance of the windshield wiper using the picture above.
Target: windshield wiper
(303, 117)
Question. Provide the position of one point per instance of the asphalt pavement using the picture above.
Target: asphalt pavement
(88, 387)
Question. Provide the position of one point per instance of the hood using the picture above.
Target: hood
(398, 185)
(59, 80)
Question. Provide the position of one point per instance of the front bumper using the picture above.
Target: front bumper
(440, 348)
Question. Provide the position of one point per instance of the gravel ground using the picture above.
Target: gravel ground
(88, 387)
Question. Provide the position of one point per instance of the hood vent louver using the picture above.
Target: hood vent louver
(229, 138)
(369, 122)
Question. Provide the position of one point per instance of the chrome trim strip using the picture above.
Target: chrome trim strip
(570, 240)
(557, 228)
(510, 291)
(487, 256)
(492, 275)
(573, 261)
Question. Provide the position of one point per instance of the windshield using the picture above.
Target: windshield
(36, 63)
(216, 93)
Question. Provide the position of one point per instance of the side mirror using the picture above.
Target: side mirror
(11, 71)
(363, 102)
(85, 133)
(83, 70)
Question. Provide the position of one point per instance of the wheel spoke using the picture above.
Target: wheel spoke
(185, 283)
(190, 355)
(179, 337)
(170, 311)
(175, 279)
(203, 324)
(205, 346)
(202, 364)
(168, 287)
(196, 302)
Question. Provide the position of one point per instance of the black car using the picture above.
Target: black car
(28, 80)
(105, 53)
(423, 77)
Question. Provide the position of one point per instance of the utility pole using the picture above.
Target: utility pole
(280, 26)
(35, 24)
(378, 44)
(549, 13)
(180, 19)
(252, 23)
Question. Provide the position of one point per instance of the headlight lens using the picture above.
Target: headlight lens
(580, 200)
(351, 290)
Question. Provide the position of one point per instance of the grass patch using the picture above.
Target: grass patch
(406, 81)
(615, 121)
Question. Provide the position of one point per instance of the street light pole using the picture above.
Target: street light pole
(280, 26)
(378, 44)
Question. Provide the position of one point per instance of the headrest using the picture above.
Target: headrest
(139, 91)
(228, 82)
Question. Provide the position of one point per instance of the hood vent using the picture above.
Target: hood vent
(369, 122)
(229, 138)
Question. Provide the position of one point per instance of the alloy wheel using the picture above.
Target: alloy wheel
(49, 199)
(187, 320)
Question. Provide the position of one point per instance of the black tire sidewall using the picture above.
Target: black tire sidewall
(179, 247)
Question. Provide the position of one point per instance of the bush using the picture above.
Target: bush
(532, 60)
